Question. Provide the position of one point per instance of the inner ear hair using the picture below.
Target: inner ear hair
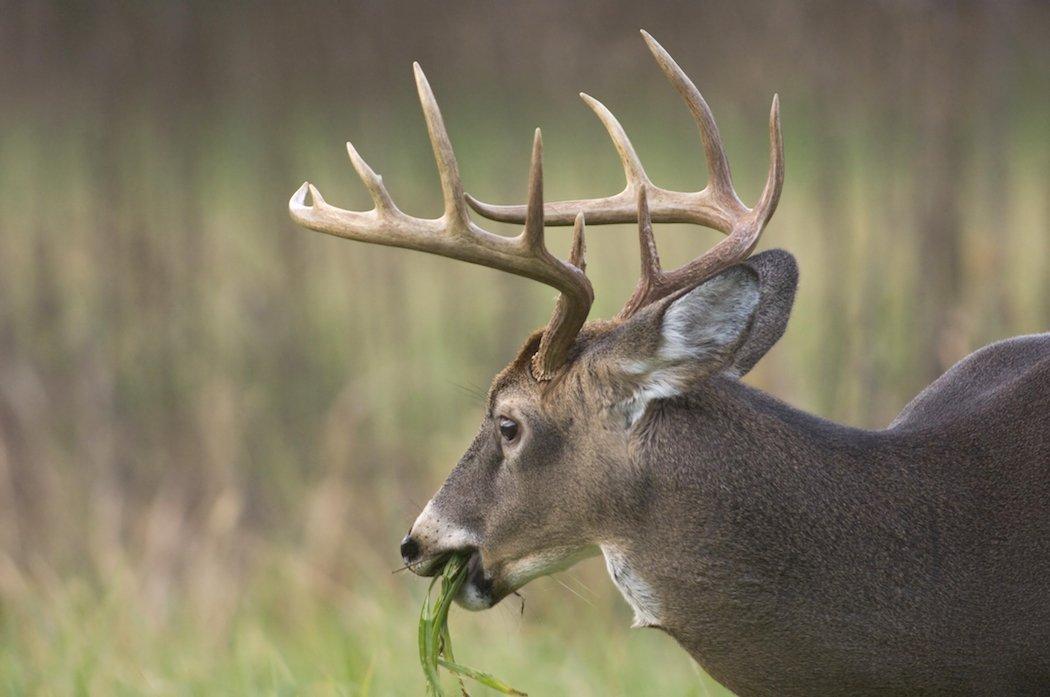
(707, 323)
(669, 347)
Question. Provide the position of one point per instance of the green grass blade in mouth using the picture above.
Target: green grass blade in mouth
(427, 648)
(435, 641)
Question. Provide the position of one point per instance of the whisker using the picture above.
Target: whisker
(573, 591)
(414, 564)
(579, 583)
(471, 390)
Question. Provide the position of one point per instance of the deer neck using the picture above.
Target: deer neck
(727, 476)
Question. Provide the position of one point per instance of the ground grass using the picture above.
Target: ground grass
(288, 632)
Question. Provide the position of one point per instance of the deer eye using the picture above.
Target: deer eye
(508, 428)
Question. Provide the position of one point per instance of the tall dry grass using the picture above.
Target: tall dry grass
(214, 427)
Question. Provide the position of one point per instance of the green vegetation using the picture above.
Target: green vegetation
(435, 640)
(294, 630)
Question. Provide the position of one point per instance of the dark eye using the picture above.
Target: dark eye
(508, 428)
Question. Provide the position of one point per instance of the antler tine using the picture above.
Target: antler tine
(719, 177)
(448, 169)
(652, 275)
(579, 247)
(767, 202)
(372, 181)
(569, 315)
(574, 303)
(632, 166)
(533, 232)
(455, 235)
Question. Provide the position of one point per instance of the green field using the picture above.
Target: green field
(215, 427)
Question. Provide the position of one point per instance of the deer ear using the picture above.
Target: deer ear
(724, 325)
(667, 348)
(777, 274)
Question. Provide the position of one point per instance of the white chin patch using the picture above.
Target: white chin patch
(520, 572)
(638, 594)
(470, 598)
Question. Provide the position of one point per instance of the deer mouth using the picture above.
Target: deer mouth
(482, 589)
(478, 591)
(431, 566)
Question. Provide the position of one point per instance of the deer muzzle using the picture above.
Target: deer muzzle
(431, 540)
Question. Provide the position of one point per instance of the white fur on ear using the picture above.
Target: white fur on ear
(709, 321)
(698, 334)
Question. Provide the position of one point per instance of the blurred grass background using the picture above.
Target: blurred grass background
(215, 427)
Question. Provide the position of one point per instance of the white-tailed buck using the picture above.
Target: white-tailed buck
(788, 554)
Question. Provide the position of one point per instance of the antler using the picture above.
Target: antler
(454, 235)
(716, 206)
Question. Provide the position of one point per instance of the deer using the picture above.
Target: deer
(787, 554)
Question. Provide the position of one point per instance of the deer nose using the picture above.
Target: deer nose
(409, 549)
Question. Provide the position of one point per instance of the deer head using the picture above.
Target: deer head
(553, 470)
